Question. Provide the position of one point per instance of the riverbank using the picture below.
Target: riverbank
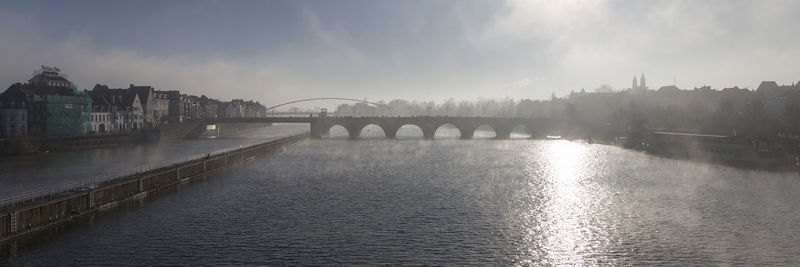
(175, 131)
(745, 154)
(31, 145)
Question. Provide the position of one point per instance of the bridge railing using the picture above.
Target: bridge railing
(58, 190)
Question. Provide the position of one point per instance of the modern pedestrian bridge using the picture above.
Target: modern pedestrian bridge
(321, 124)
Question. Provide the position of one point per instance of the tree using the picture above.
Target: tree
(449, 104)
(604, 88)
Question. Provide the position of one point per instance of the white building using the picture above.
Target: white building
(116, 110)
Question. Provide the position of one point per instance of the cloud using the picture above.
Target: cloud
(540, 19)
(433, 51)
(586, 43)
(24, 44)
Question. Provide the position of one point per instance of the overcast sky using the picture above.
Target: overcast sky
(276, 51)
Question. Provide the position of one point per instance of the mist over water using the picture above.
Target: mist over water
(693, 82)
(28, 172)
(448, 201)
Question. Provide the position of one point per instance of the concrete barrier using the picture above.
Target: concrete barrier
(21, 219)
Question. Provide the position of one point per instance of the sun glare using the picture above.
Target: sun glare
(565, 203)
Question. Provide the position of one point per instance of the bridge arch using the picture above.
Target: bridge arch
(448, 132)
(369, 127)
(409, 128)
(521, 131)
(337, 130)
(483, 127)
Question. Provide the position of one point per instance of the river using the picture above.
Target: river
(28, 172)
(447, 202)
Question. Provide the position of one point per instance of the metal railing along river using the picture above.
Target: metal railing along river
(58, 190)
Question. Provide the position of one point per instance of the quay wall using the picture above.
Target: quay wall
(179, 130)
(20, 219)
(26, 145)
(232, 128)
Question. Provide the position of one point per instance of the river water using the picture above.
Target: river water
(447, 202)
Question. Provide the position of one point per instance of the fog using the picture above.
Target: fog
(474, 132)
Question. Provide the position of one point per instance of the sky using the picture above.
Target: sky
(278, 51)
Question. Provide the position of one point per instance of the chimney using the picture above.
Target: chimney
(131, 85)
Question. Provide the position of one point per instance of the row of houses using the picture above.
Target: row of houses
(49, 105)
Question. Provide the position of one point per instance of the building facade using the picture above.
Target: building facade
(48, 104)
(13, 114)
(146, 97)
(160, 108)
(116, 110)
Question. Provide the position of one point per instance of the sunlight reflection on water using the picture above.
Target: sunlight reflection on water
(563, 203)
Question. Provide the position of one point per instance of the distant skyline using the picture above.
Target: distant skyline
(277, 51)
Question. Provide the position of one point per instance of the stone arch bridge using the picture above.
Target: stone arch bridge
(321, 125)
(465, 125)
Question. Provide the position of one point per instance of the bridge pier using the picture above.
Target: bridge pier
(389, 131)
(354, 131)
(502, 133)
(316, 129)
(467, 131)
(428, 132)
(467, 134)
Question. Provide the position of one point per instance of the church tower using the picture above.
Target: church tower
(642, 82)
(634, 82)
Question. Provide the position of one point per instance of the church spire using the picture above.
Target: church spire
(642, 82)
(634, 82)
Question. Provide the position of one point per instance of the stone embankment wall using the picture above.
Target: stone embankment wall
(178, 130)
(20, 219)
(181, 130)
(231, 128)
(25, 145)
